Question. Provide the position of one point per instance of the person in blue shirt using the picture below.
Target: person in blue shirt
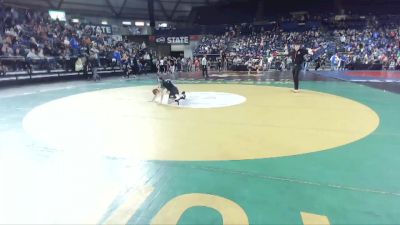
(343, 61)
(334, 62)
(116, 58)
(74, 45)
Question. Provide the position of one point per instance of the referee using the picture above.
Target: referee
(297, 55)
(204, 67)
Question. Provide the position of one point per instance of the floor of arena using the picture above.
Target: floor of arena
(241, 149)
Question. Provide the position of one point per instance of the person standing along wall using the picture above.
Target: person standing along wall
(204, 65)
(94, 62)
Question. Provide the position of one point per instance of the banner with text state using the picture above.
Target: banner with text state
(173, 40)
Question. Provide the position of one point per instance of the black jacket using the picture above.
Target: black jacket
(298, 56)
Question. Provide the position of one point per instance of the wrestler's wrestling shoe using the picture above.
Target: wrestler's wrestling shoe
(182, 97)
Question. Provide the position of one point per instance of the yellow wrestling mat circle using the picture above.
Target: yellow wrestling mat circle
(271, 122)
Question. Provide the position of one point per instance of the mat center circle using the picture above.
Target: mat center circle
(203, 100)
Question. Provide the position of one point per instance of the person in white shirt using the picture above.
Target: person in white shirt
(249, 65)
(343, 38)
(204, 67)
(269, 62)
(260, 65)
(32, 54)
(40, 54)
(31, 57)
(146, 56)
(334, 62)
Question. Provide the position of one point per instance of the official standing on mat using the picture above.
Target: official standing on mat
(297, 55)
(204, 65)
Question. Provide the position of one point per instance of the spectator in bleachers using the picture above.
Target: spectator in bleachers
(61, 43)
(334, 62)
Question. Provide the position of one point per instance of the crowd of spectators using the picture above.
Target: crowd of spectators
(172, 64)
(32, 39)
(341, 45)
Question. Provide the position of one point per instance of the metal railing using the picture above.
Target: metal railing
(19, 67)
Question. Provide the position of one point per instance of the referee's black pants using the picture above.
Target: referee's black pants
(205, 72)
(296, 71)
